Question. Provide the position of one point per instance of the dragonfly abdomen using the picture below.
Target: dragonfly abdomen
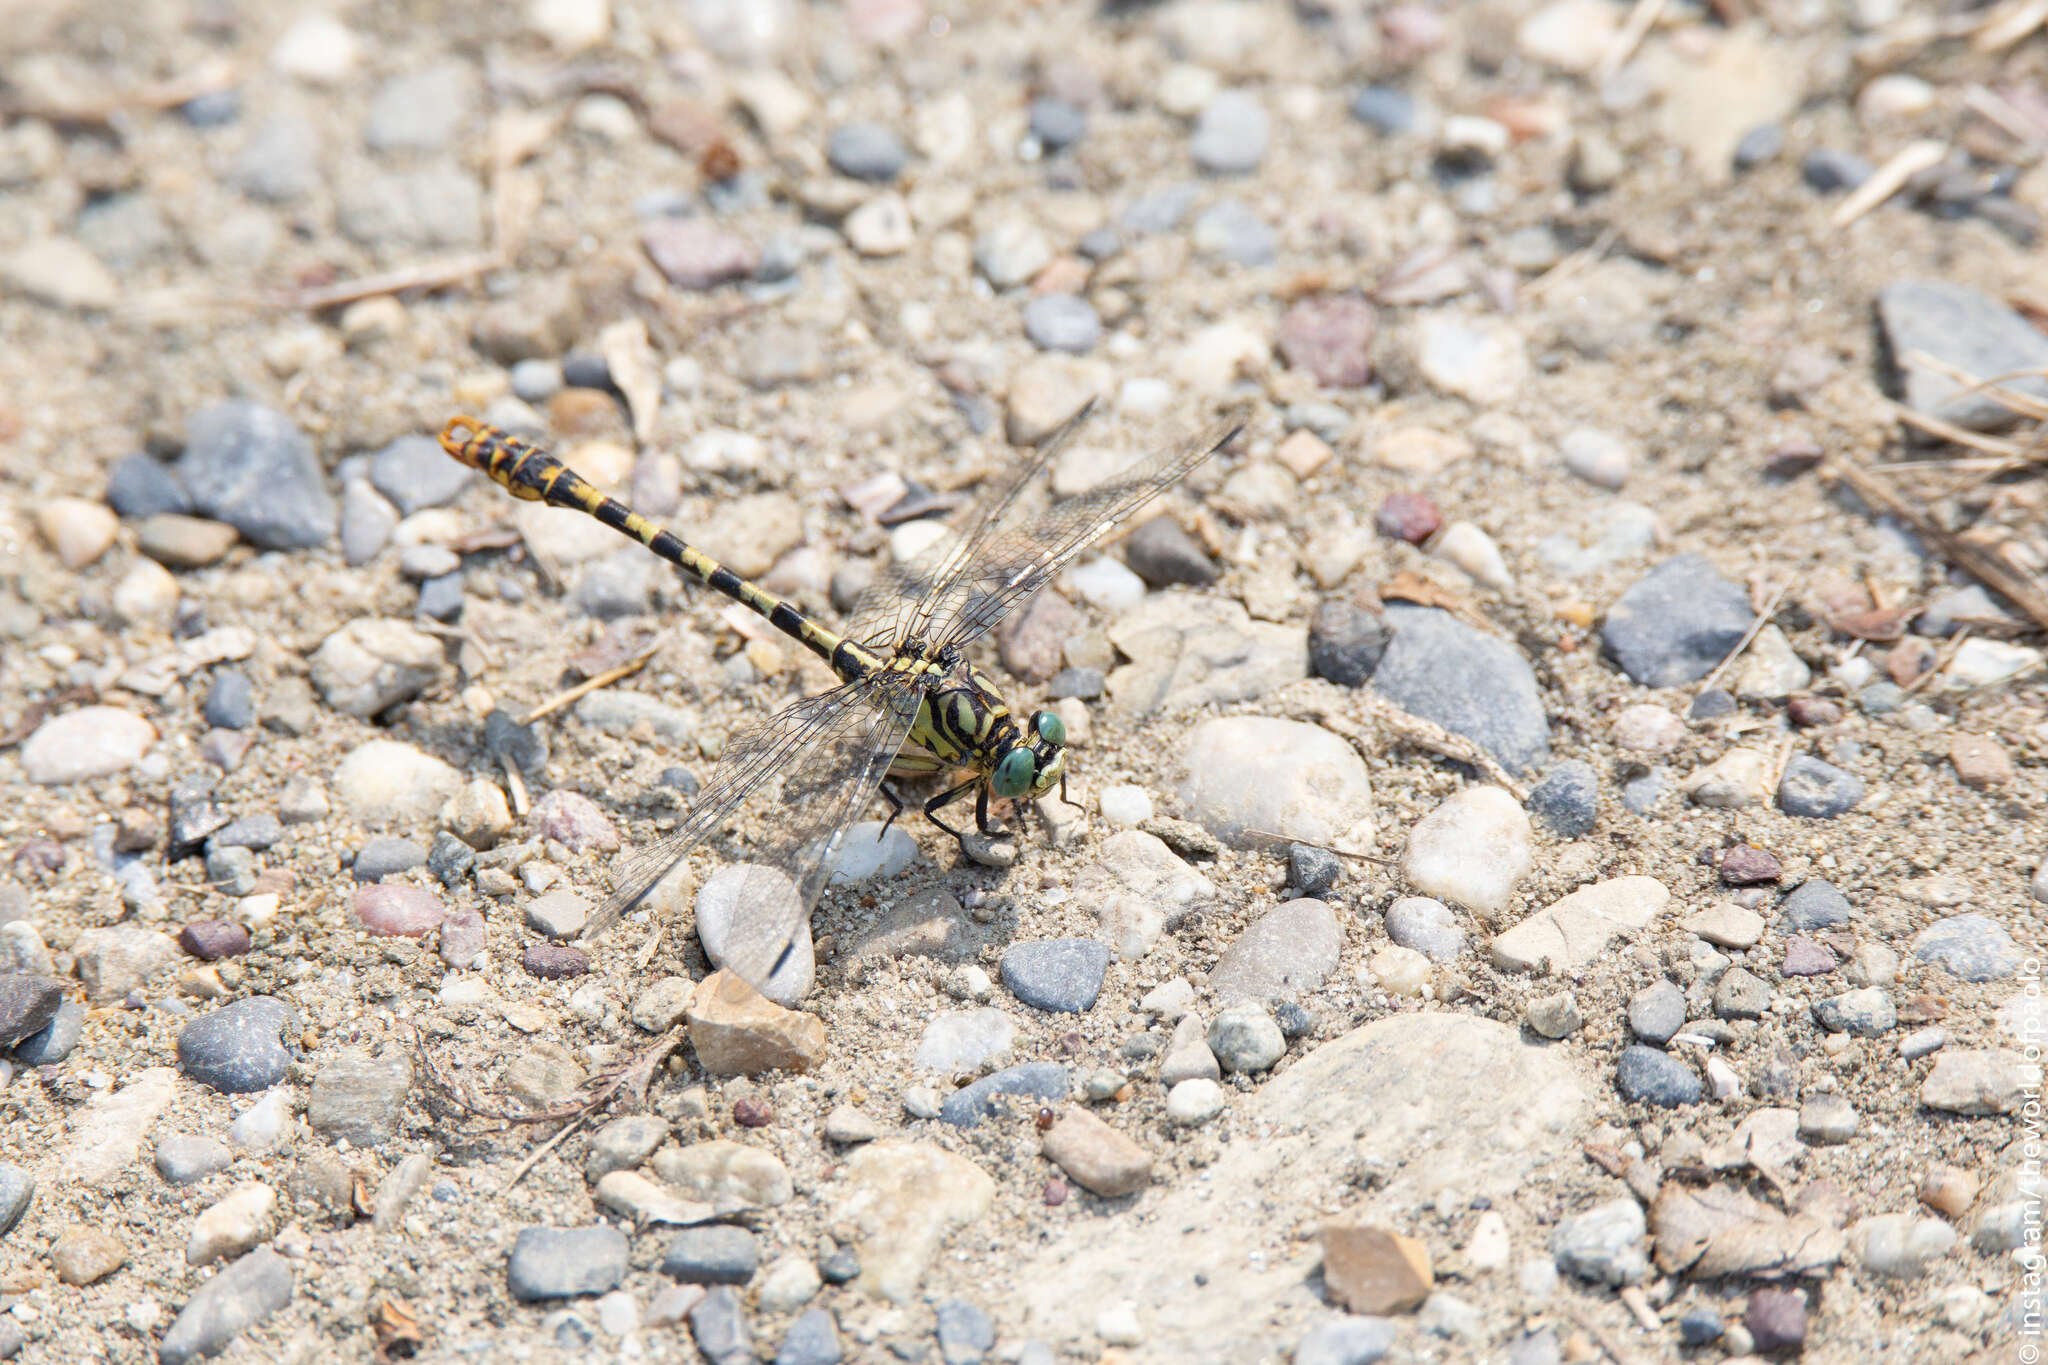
(528, 472)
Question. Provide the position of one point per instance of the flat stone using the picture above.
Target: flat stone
(642, 1201)
(238, 1298)
(712, 1255)
(1057, 975)
(1246, 778)
(1726, 925)
(28, 1003)
(1471, 683)
(737, 1031)
(240, 1047)
(89, 742)
(1813, 905)
(1674, 625)
(360, 1099)
(1372, 1270)
(398, 911)
(1574, 932)
(560, 1263)
(1901, 1245)
(182, 1158)
(1958, 329)
(82, 1256)
(1862, 1013)
(106, 1135)
(251, 467)
(1817, 790)
(1286, 953)
(1096, 1156)
(1974, 947)
(905, 1200)
(1979, 1082)
(1032, 1081)
(623, 1143)
(233, 1224)
(726, 1173)
(1648, 1076)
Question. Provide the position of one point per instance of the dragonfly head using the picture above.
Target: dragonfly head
(1036, 763)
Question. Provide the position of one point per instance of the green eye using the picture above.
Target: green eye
(1013, 775)
(1050, 727)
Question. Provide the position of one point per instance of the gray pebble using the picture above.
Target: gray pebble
(1567, 799)
(441, 598)
(1830, 171)
(559, 1263)
(240, 1046)
(966, 1333)
(17, 1188)
(718, 1324)
(1033, 1081)
(1288, 951)
(1605, 1244)
(715, 1254)
(1085, 683)
(1540, 1347)
(839, 1266)
(1740, 994)
(1711, 704)
(1473, 684)
(535, 380)
(1881, 699)
(360, 1099)
(1099, 245)
(414, 473)
(231, 700)
(1555, 1016)
(1246, 1038)
(1922, 1042)
(1863, 1014)
(1061, 975)
(1699, 1326)
(1814, 904)
(1648, 1076)
(1057, 124)
(1231, 230)
(1760, 144)
(1062, 322)
(386, 856)
(586, 370)
(619, 585)
(1311, 870)
(1345, 1340)
(28, 1003)
(141, 486)
(813, 1339)
(251, 467)
(1160, 211)
(367, 522)
(1974, 947)
(866, 151)
(1428, 926)
(1817, 790)
(1384, 110)
(1642, 792)
(182, 1158)
(239, 1297)
(1164, 555)
(1676, 623)
(281, 161)
(450, 859)
(258, 831)
(1346, 642)
(1231, 135)
(53, 1042)
(1827, 1119)
(421, 110)
(1656, 1012)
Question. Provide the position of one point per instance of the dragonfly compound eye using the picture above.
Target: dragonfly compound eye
(1013, 775)
(1050, 727)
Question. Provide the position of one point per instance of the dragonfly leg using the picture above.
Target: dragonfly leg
(952, 794)
(896, 808)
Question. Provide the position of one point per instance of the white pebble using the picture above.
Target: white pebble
(1398, 971)
(1473, 551)
(261, 1125)
(1107, 585)
(1470, 851)
(1648, 729)
(1194, 1101)
(1125, 805)
(1118, 1324)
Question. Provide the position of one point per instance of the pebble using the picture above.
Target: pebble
(367, 523)
(963, 1041)
(718, 1324)
(1411, 517)
(1827, 1119)
(1062, 322)
(1471, 851)
(1125, 806)
(90, 742)
(384, 782)
(386, 857)
(139, 486)
(1345, 1339)
(114, 961)
(1605, 1244)
(1482, 360)
(1330, 338)
(881, 227)
(1598, 457)
(1057, 975)
(260, 1127)
(693, 253)
(28, 1004)
(813, 1339)
(1677, 623)
(846, 1126)
(1555, 1016)
(17, 1189)
(414, 473)
(558, 1263)
(1057, 124)
(238, 1298)
(966, 1334)
(1959, 329)
(1760, 144)
(1245, 1038)
(397, 910)
(623, 1144)
(1902, 1245)
(79, 531)
(1813, 905)
(1770, 669)
(210, 940)
(661, 1005)
(720, 902)
(1195, 1101)
(182, 1158)
(82, 1256)
(250, 466)
(230, 700)
(1371, 1270)
(1242, 774)
(1775, 1320)
(1830, 171)
(1980, 762)
(1009, 254)
(233, 1224)
(1656, 1012)
(907, 1197)
(1740, 994)
(1566, 801)
(54, 1041)
(371, 664)
(1977, 1081)
(1648, 1076)
(1864, 1013)
(1289, 951)
(1033, 1081)
(1972, 946)
(1727, 925)
(712, 1255)
(1426, 926)
(1471, 683)
(239, 1047)
(866, 151)
(558, 914)
(1386, 110)
(721, 1172)
(1818, 790)
(1234, 232)
(1804, 957)
(360, 1099)
(1096, 1156)
(1231, 135)
(787, 1284)
(1748, 865)
(738, 1031)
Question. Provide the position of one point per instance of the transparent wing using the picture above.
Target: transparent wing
(1015, 555)
(902, 599)
(822, 757)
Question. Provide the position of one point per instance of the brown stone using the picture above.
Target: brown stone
(1980, 761)
(1096, 1156)
(1372, 1270)
(1948, 1190)
(739, 1032)
(86, 1255)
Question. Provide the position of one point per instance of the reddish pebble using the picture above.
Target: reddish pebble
(1813, 711)
(1980, 761)
(1804, 957)
(1747, 865)
(553, 961)
(209, 940)
(406, 911)
(1408, 516)
(1792, 457)
(574, 821)
(1055, 1192)
(1331, 338)
(753, 1113)
(1908, 659)
(1776, 1318)
(695, 253)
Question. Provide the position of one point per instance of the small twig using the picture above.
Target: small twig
(435, 274)
(1887, 181)
(1331, 849)
(533, 1157)
(517, 783)
(1641, 19)
(1941, 661)
(647, 949)
(1423, 734)
(1756, 628)
(2019, 588)
(604, 679)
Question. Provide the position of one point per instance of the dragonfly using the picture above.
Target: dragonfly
(909, 702)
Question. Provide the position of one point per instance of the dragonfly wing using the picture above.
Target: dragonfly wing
(1018, 554)
(903, 599)
(792, 749)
